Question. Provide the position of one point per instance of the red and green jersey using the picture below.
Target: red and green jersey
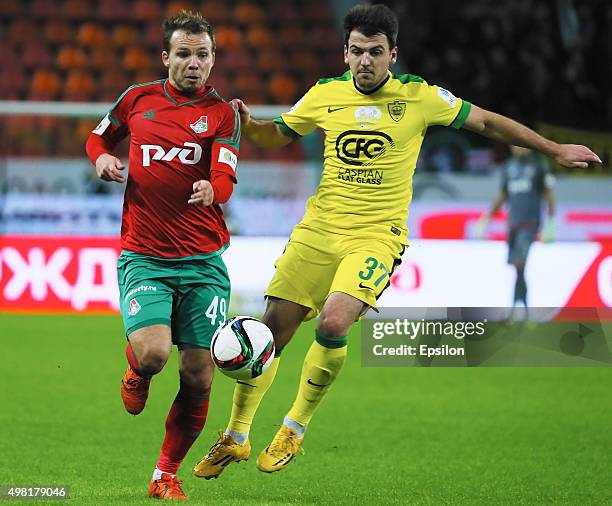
(175, 141)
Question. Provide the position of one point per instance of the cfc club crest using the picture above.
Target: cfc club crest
(201, 125)
(396, 110)
(134, 307)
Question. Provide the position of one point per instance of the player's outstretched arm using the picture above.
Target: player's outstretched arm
(262, 133)
(504, 129)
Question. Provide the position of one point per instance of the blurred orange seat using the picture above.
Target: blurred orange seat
(248, 13)
(235, 59)
(146, 10)
(228, 37)
(112, 84)
(217, 12)
(136, 58)
(283, 87)
(103, 59)
(57, 32)
(22, 31)
(124, 35)
(11, 8)
(291, 35)
(77, 9)
(70, 57)
(260, 36)
(36, 55)
(256, 97)
(13, 83)
(79, 86)
(316, 10)
(44, 8)
(92, 35)
(270, 60)
(113, 10)
(148, 76)
(174, 7)
(303, 59)
(153, 36)
(84, 128)
(45, 85)
(248, 83)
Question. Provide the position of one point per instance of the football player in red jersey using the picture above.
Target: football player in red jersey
(174, 286)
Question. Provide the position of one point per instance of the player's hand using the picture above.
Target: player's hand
(109, 167)
(481, 226)
(549, 231)
(574, 156)
(203, 194)
(243, 110)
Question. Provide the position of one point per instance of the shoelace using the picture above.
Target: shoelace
(173, 484)
(288, 444)
(211, 454)
(132, 382)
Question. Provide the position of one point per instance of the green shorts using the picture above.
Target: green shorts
(191, 295)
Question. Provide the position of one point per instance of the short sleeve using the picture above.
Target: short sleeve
(113, 127)
(441, 107)
(301, 119)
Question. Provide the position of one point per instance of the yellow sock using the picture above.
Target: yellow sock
(248, 396)
(321, 366)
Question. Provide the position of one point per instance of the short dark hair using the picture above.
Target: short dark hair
(191, 22)
(372, 20)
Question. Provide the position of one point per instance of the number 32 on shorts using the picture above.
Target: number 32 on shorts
(374, 268)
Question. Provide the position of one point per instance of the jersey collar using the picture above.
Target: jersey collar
(178, 98)
(374, 90)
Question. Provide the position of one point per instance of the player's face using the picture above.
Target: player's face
(189, 61)
(369, 58)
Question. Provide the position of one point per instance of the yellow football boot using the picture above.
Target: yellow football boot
(225, 451)
(280, 451)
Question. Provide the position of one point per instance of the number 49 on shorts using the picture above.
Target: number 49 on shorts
(217, 310)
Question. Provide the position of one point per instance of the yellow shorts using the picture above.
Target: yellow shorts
(316, 263)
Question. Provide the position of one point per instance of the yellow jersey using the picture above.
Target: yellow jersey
(372, 142)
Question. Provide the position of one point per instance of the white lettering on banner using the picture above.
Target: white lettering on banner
(36, 273)
(191, 148)
(85, 289)
(604, 281)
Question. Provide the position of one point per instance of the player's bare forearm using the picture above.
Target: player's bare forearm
(264, 133)
(501, 128)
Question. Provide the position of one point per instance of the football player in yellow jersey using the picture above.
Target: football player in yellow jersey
(341, 255)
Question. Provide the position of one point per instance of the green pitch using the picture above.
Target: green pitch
(382, 436)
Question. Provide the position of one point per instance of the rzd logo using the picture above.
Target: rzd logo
(359, 147)
(189, 155)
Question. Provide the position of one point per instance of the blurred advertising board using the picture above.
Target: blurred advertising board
(76, 274)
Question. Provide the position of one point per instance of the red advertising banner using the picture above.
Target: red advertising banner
(76, 274)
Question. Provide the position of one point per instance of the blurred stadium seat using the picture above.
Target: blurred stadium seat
(56, 32)
(91, 35)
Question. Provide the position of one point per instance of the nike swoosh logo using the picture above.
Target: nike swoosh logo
(329, 109)
(310, 382)
(361, 285)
